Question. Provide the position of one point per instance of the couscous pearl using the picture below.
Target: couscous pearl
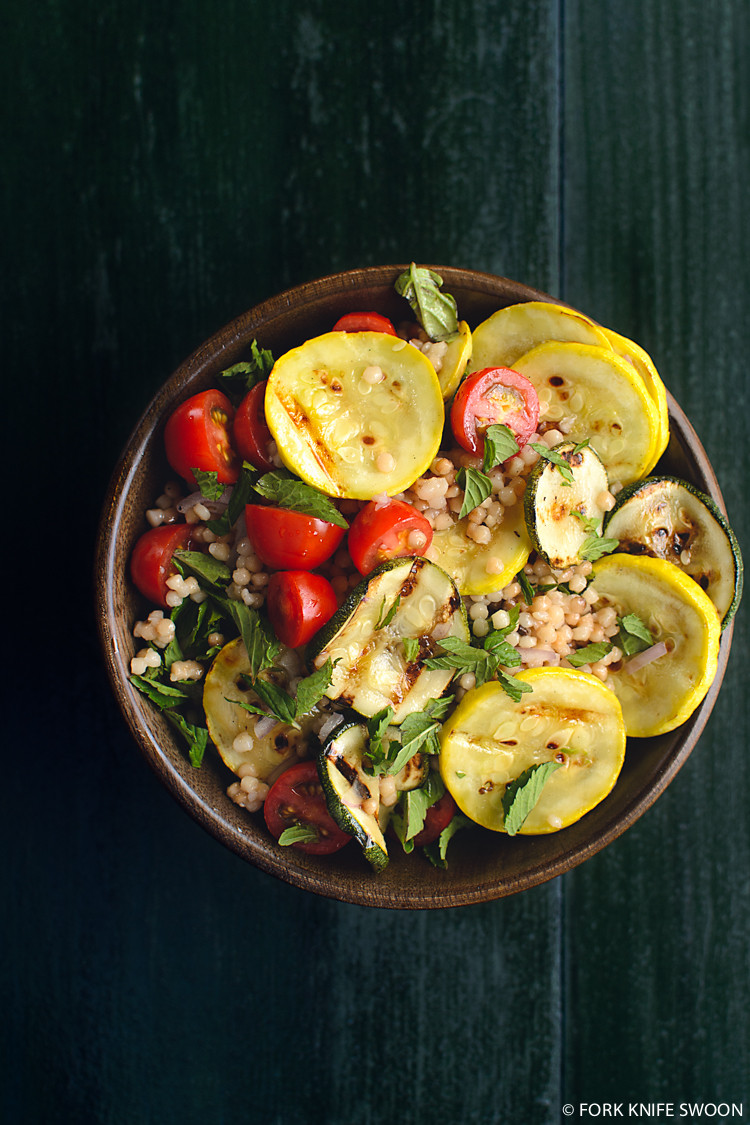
(478, 611)
(480, 628)
(577, 583)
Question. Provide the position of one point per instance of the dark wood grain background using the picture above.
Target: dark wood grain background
(166, 166)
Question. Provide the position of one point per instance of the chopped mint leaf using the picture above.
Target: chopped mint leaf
(386, 620)
(596, 546)
(286, 491)
(634, 635)
(527, 590)
(556, 459)
(590, 523)
(436, 852)
(409, 814)
(477, 487)
(195, 736)
(165, 696)
(209, 571)
(298, 834)
(312, 688)
(521, 795)
(465, 657)
(499, 444)
(241, 377)
(589, 654)
(411, 648)
(289, 708)
(512, 686)
(436, 311)
(242, 494)
(208, 484)
(262, 647)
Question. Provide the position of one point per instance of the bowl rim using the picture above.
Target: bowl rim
(266, 855)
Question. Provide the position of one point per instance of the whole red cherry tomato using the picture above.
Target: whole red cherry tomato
(496, 395)
(296, 798)
(388, 530)
(286, 540)
(437, 817)
(251, 433)
(151, 562)
(298, 604)
(197, 437)
(364, 322)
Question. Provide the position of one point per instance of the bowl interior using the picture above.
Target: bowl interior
(483, 865)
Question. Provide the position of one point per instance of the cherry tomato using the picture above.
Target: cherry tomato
(297, 798)
(364, 322)
(197, 437)
(151, 562)
(287, 540)
(493, 396)
(387, 531)
(251, 433)
(298, 604)
(437, 817)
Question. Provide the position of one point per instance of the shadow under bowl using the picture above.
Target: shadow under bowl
(483, 865)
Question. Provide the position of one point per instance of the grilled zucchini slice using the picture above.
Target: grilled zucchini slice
(607, 400)
(483, 568)
(404, 597)
(569, 717)
(560, 516)
(661, 695)
(348, 787)
(515, 330)
(348, 435)
(668, 518)
(277, 747)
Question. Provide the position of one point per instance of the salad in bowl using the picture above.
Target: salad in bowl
(433, 561)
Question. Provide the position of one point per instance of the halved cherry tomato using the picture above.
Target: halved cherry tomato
(496, 395)
(437, 817)
(383, 531)
(297, 798)
(197, 437)
(251, 433)
(151, 562)
(286, 540)
(298, 604)
(364, 322)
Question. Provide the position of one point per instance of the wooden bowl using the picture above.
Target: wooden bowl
(482, 865)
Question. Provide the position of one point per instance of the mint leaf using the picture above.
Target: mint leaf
(286, 491)
(521, 795)
(589, 654)
(465, 657)
(208, 570)
(634, 635)
(386, 619)
(312, 688)
(262, 647)
(436, 311)
(590, 523)
(409, 814)
(164, 696)
(242, 494)
(411, 648)
(243, 376)
(477, 487)
(527, 590)
(208, 484)
(279, 702)
(550, 455)
(195, 736)
(298, 834)
(436, 852)
(439, 708)
(595, 546)
(499, 444)
(512, 686)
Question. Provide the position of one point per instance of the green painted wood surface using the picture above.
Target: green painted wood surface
(164, 168)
